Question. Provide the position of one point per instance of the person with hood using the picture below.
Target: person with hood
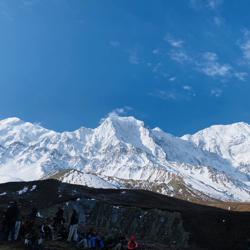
(73, 226)
(132, 243)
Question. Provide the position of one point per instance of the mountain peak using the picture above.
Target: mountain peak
(116, 119)
(121, 125)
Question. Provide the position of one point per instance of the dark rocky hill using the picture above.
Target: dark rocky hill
(158, 221)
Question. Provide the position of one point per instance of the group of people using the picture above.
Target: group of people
(34, 230)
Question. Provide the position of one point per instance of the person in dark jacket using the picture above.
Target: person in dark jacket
(58, 222)
(11, 217)
(73, 225)
(59, 218)
(33, 214)
(99, 241)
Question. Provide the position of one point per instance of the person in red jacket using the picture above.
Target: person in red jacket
(132, 244)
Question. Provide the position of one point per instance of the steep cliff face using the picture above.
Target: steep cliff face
(150, 225)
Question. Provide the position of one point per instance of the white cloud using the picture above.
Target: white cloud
(164, 95)
(133, 57)
(241, 75)
(157, 67)
(216, 92)
(218, 21)
(188, 91)
(187, 87)
(172, 79)
(210, 66)
(210, 56)
(179, 56)
(174, 94)
(216, 69)
(114, 44)
(244, 44)
(214, 4)
(211, 4)
(208, 63)
(174, 42)
(156, 51)
(120, 111)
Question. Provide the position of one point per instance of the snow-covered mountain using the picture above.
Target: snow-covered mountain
(231, 142)
(123, 152)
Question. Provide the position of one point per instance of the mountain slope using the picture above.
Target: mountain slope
(76, 177)
(231, 142)
(122, 151)
(154, 218)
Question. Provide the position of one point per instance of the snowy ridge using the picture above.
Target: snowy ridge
(231, 142)
(73, 176)
(123, 152)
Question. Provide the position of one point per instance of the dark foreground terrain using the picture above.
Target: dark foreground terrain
(160, 222)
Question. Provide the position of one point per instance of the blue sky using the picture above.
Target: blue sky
(181, 65)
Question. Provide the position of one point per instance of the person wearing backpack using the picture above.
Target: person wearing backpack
(132, 243)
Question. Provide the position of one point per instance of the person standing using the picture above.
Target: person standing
(59, 217)
(11, 217)
(17, 223)
(73, 225)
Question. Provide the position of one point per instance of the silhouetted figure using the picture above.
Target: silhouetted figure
(73, 226)
(119, 243)
(47, 230)
(33, 214)
(18, 222)
(99, 241)
(91, 239)
(59, 217)
(11, 217)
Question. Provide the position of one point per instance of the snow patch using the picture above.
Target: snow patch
(22, 191)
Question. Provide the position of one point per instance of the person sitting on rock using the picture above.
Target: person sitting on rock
(99, 241)
(119, 243)
(91, 239)
(33, 238)
(47, 229)
(73, 225)
(83, 242)
(132, 244)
